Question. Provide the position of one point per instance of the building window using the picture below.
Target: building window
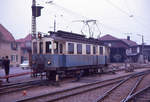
(16, 58)
(41, 47)
(88, 49)
(94, 49)
(101, 50)
(48, 47)
(34, 47)
(134, 50)
(25, 51)
(28, 44)
(70, 48)
(79, 48)
(14, 46)
(13, 58)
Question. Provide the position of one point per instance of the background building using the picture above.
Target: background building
(118, 47)
(9, 47)
(25, 47)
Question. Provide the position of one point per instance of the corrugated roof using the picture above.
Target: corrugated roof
(5, 34)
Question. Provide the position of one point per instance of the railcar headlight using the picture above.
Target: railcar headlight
(48, 62)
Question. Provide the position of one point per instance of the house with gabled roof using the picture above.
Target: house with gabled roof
(25, 47)
(119, 48)
(8, 46)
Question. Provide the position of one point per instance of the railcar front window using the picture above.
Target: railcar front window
(56, 47)
(101, 50)
(41, 47)
(70, 48)
(79, 48)
(48, 47)
(34, 47)
(88, 49)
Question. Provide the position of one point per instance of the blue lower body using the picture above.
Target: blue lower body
(58, 61)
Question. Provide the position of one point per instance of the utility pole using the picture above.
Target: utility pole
(142, 44)
(55, 24)
(36, 12)
(142, 47)
(33, 20)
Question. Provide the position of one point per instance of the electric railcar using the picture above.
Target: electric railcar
(64, 53)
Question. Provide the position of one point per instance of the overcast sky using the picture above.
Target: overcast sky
(115, 17)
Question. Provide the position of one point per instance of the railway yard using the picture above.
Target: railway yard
(120, 86)
(51, 52)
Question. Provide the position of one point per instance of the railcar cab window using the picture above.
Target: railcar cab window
(55, 47)
(34, 47)
(48, 47)
(70, 48)
(94, 49)
(61, 48)
(88, 49)
(79, 48)
(101, 50)
(41, 47)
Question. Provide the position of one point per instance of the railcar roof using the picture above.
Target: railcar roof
(68, 36)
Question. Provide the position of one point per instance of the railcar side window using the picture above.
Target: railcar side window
(71, 48)
(61, 48)
(94, 49)
(88, 49)
(79, 48)
(41, 47)
(101, 50)
(34, 47)
(48, 47)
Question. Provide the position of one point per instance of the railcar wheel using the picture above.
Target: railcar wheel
(86, 72)
(51, 75)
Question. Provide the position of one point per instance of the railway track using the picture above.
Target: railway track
(140, 96)
(77, 91)
(20, 86)
(123, 90)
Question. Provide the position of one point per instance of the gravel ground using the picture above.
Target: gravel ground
(121, 92)
(93, 95)
(88, 96)
(11, 97)
(145, 81)
(144, 97)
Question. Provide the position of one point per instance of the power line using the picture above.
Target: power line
(121, 10)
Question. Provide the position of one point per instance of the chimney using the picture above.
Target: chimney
(128, 37)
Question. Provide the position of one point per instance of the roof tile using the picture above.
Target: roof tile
(108, 37)
(5, 34)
